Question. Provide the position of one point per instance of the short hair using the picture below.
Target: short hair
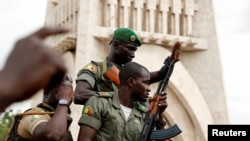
(131, 69)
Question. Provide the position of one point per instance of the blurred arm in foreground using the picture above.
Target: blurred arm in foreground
(30, 66)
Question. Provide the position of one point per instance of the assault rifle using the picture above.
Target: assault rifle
(148, 132)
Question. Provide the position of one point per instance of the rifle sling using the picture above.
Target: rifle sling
(35, 113)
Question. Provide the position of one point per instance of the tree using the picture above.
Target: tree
(5, 123)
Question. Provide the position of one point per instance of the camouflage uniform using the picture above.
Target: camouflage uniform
(104, 114)
(25, 123)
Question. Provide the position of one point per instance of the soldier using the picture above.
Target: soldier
(120, 117)
(49, 120)
(91, 80)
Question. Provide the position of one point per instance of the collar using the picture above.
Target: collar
(137, 109)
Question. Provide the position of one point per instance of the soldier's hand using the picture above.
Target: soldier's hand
(65, 91)
(162, 102)
(31, 65)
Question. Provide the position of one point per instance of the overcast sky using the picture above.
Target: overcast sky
(232, 21)
(20, 17)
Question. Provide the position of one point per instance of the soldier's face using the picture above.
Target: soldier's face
(126, 52)
(142, 86)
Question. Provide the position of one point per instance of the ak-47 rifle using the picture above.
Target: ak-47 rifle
(148, 132)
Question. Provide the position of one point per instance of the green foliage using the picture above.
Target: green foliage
(5, 123)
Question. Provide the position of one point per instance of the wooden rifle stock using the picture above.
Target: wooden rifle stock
(113, 74)
(153, 110)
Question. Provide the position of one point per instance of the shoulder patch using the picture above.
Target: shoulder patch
(87, 110)
(90, 67)
(34, 117)
(105, 94)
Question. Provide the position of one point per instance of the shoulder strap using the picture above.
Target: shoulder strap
(47, 111)
(141, 107)
(106, 94)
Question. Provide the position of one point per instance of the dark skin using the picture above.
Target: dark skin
(120, 53)
(56, 127)
(134, 89)
(33, 62)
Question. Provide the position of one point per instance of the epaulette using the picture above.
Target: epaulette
(105, 94)
(141, 107)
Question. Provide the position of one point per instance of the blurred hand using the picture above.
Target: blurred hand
(31, 65)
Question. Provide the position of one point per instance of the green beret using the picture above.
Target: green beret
(127, 35)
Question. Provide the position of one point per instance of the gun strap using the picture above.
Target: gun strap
(166, 133)
(36, 113)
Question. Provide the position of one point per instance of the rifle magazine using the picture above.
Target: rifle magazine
(166, 133)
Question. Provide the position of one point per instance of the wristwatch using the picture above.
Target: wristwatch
(63, 102)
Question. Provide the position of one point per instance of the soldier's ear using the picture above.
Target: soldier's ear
(110, 42)
(131, 81)
(115, 43)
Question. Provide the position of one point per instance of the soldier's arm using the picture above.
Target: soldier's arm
(91, 119)
(86, 133)
(56, 127)
(83, 92)
(156, 76)
(85, 83)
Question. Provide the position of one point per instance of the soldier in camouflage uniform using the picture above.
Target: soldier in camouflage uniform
(120, 116)
(50, 120)
(91, 80)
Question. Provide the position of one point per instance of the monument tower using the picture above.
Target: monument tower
(196, 95)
